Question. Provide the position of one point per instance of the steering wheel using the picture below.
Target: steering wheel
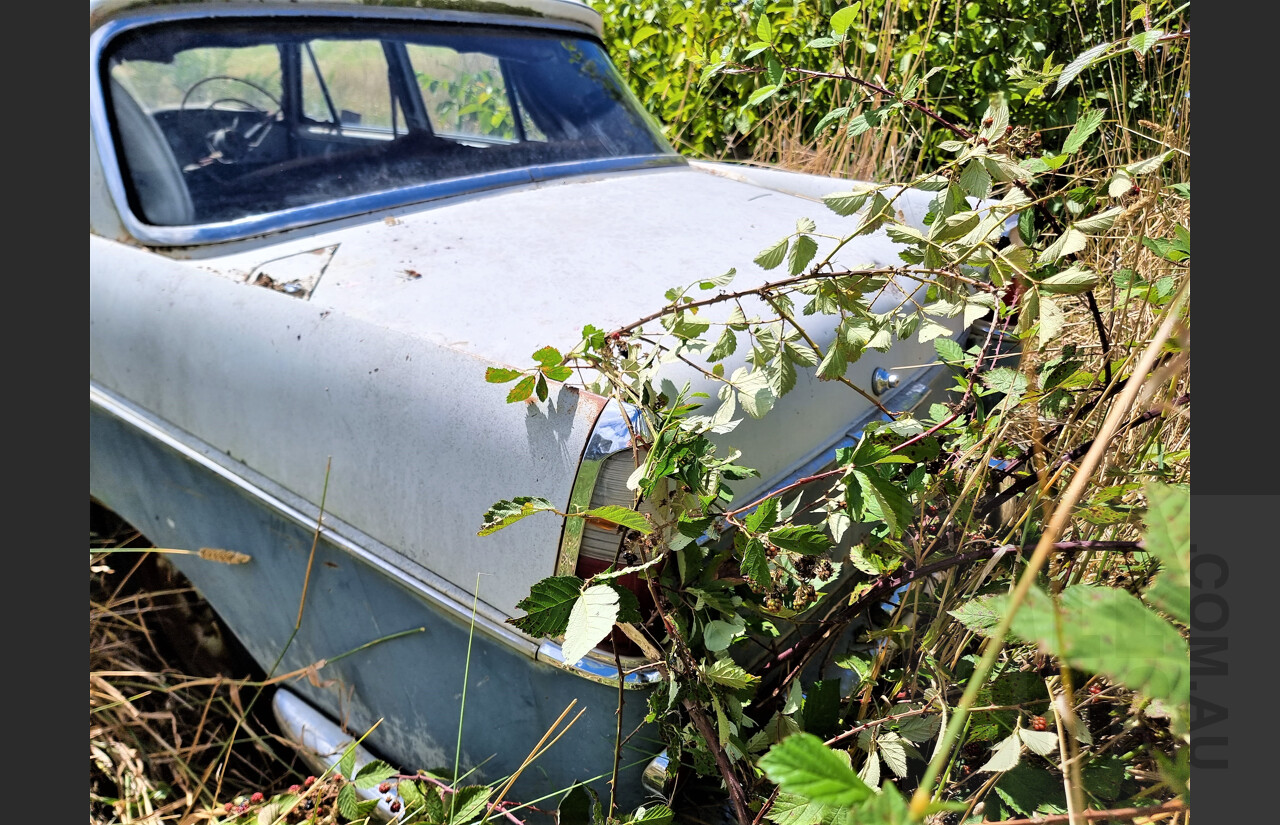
(234, 142)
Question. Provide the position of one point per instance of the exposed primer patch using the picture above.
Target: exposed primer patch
(297, 274)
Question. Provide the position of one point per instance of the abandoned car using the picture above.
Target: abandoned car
(313, 226)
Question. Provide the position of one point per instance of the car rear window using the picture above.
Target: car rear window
(216, 120)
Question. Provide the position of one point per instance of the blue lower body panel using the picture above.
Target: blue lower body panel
(413, 683)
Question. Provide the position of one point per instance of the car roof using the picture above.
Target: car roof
(576, 11)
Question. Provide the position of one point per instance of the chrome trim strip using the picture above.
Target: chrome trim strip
(321, 744)
(432, 588)
(99, 123)
(638, 673)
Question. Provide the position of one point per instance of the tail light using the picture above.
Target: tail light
(591, 546)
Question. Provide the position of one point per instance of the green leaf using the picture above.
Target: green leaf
(1082, 61)
(468, 803)
(373, 773)
(981, 614)
(1069, 282)
(1069, 242)
(802, 252)
(724, 347)
(1119, 184)
(548, 605)
(844, 18)
(1168, 538)
(1150, 164)
(719, 280)
(1052, 320)
(975, 180)
(1100, 222)
(804, 539)
(725, 672)
(920, 728)
(949, 351)
(893, 753)
(891, 501)
(1028, 790)
(718, 634)
(845, 203)
(347, 764)
(763, 517)
(347, 801)
(654, 814)
(764, 29)
(1109, 631)
(1006, 380)
(793, 809)
(1042, 742)
(1143, 41)
(522, 390)
(755, 562)
(548, 356)
(411, 794)
(834, 363)
(590, 620)
(1085, 126)
(505, 513)
(575, 807)
(1005, 755)
(623, 516)
(801, 764)
(560, 373)
(501, 375)
(762, 94)
(771, 257)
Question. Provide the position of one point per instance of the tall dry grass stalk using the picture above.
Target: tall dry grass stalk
(157, 731)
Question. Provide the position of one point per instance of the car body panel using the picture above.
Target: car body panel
(318, 380)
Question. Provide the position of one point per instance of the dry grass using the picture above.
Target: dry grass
(160, 722)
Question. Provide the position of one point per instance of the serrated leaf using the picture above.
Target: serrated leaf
(1082, 61)
(373, 773)
(724, 346)
(1148, 165)
(764, 29)
(1052, 321)
(548, 356)
(1069, 242)
(771, 257)
(719, 280)
(725, 672)
(831, 116)
(623, 516)
(844, 18)
(654, 814)
(548, 606)
(1119, 184)
(975, 180)
(590, 620)
(507, 512)
(1100, 222)
(1006, 380)
(348, 801)
(1143, 41)
(347, 764)
(801, 764)
(718, 634)
(1072, 281)
(793, 809)
(1005, 755)
(501, 375)
(920, 728)
(1168, 538)
(1028, 790)
(1084, 127)
(1109, 631)
(931, 331)
(522, 390)
(755, 562)
(834, 364)
(949, 351)
(803, 539)
(1042, 742)
(468, 803)
(802, 252)
(845, 203)
(870, 772)
(893, 753)
(980, 614)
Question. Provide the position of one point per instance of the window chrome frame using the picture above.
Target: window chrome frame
(339, 208)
